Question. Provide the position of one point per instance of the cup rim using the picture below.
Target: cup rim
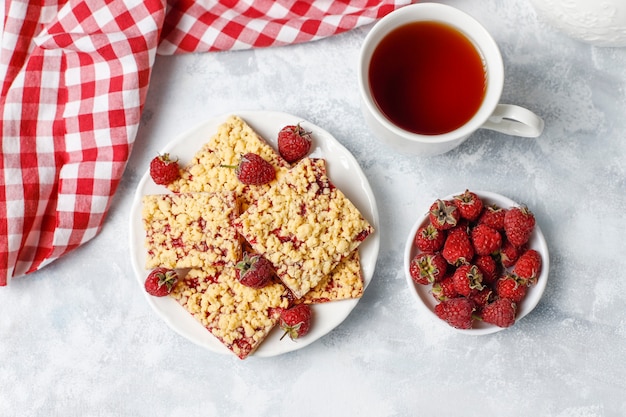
(479, 36)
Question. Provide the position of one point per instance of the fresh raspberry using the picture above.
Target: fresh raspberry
(163, 170)
(160, 281)
(429, 239)
(443, 214)
(508, 254)
(519, 223)
(488, 267)
(501, 312)
(296, 321)
(254, 271)
(469, 204)
(464, 224)
(485, 240)
(457, 312)
(528, 266)
(467, 280)
(427, 268)
(509, 287)
(482, 298)
(444, 289)
(253, 170)
(493, 216)
(458, 248)
(294, 143)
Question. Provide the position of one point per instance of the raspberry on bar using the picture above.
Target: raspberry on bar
(207, 172)
(344, 282)
(239, 317)
(191, 230)
(304, 225)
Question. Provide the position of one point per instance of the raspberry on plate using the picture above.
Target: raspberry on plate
(488, 267)
(163, 170)
(160, 281)
(254, 271)
(458, 248)
(528, 266)
(482, 297)
(493, 216)
(444, 289)
(467, 280)
(296, 321)
(427, 268)
(253, 170)
(294, 143)
(444, 214)
(508, 254)
(469, 204)
(500, 313)
(485, 239)
(457, 312)
(519, 223)
(429, 239)
(508, 286)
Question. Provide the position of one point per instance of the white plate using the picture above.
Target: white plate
(343, 170)
(425, 300)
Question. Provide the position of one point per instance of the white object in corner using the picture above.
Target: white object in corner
(597, 22)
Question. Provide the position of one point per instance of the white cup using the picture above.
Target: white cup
(505, 118)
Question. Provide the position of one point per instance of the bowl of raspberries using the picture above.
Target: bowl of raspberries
(477, 261)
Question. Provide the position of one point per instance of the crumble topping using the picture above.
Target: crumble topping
(190, 230)
(304, 225)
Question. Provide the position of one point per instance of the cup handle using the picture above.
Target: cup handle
(514, 120)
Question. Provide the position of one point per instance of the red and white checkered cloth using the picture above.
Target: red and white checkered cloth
(75, 75)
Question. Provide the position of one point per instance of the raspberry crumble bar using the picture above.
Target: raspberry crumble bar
(238, 316)
(304, 225)
(344, 282)
(191, 230)
(207, 171)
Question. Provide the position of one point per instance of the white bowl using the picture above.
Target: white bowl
(425, 300)
(599, 23)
